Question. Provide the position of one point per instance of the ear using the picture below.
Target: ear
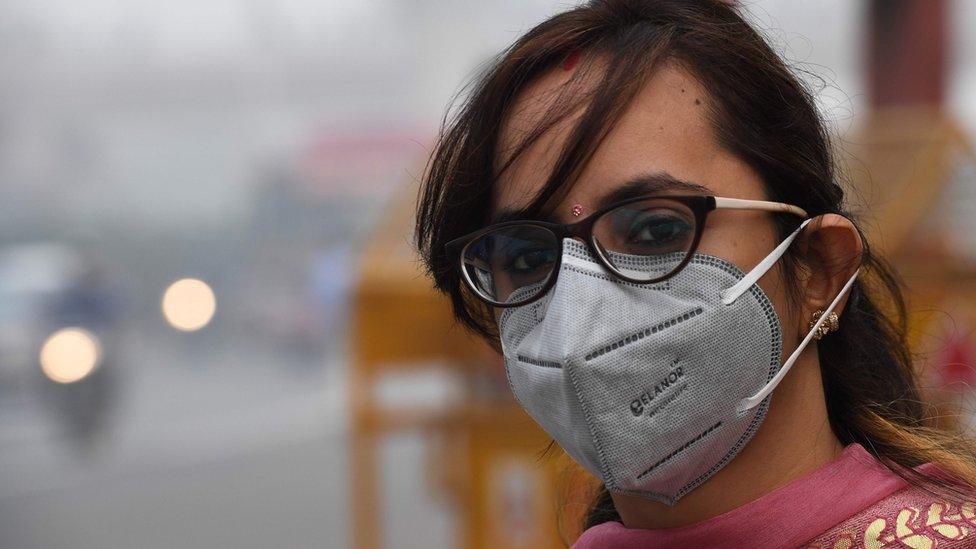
(831, 248)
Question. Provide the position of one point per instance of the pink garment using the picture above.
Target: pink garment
(853, 501)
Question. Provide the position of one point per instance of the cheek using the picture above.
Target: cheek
(775, 287)
(745, 241)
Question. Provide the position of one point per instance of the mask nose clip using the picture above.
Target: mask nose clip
(577, 253)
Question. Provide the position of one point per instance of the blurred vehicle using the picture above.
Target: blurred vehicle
(57, 337)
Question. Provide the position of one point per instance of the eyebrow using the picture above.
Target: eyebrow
(659, 182)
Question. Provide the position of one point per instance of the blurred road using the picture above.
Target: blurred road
(247, 450)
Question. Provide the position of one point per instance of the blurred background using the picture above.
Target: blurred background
(213, 332)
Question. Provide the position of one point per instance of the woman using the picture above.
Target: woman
(637, 205)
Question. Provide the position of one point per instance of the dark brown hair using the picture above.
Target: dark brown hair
(760, 112)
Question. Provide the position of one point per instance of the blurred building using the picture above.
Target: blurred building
(913, 166)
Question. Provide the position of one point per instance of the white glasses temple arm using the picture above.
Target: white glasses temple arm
(744, 204)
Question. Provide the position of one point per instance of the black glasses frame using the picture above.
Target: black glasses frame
(700, 206)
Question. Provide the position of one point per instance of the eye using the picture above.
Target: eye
(657, 231)
(526, 261)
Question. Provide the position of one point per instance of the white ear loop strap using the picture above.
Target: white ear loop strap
(730, 294)
(751, 402)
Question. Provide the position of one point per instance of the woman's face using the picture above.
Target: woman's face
(665, 131)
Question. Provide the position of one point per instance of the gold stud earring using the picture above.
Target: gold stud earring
(830, 324)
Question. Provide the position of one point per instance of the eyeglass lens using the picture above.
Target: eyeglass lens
(642, 240)
(646, 240)
(511, 264)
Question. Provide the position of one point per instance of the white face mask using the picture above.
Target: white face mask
(653, 388)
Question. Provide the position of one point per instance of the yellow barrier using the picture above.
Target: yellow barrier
(487, 459)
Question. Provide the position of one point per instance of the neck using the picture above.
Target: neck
(794, 439)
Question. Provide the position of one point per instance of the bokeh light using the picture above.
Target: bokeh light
(69, 355)
(189, 304)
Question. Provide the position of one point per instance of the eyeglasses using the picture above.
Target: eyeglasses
(641, 240)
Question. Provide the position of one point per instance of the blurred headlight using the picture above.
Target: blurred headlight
(188, 304)
(70, 354)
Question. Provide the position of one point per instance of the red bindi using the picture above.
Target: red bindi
(571, 60)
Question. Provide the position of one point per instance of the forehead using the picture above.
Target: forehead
(666, 129)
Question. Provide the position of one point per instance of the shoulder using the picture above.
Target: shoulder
(911, 517)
